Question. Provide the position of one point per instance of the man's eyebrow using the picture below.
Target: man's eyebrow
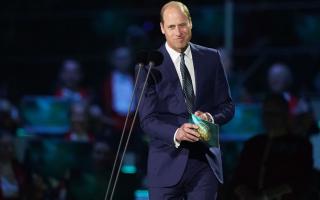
(183, 23)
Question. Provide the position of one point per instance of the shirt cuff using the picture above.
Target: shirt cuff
(176, 143)
(210, 117)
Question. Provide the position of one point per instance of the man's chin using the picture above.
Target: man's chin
(181, 46)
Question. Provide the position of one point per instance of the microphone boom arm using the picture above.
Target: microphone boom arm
(151, 64)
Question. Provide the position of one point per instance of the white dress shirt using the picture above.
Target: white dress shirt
(176, 59)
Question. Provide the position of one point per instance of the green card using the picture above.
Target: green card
(209, 132)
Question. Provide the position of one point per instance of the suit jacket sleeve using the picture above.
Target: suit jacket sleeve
(150, 121)
(224, 110)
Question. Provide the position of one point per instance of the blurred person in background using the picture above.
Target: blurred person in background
(118, 87)
(79, 130)
(70, 82)
(277, 164)
(280, 81)
(101, 156)
(13, 177)
(84, 184)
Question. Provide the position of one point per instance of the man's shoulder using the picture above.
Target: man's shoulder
(203, 49)
(193, 46)
(162, 47)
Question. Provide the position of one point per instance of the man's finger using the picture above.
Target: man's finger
(189, 140)
(198, 113)
(189, 125)
(192, 137)
(204, 116)
(191, 131)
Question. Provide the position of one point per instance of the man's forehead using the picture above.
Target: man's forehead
(173, 9)
(172, 18)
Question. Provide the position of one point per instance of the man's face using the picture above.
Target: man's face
(177, 28)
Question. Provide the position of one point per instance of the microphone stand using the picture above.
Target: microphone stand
(151, 64)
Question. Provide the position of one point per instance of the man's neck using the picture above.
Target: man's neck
(178, 50)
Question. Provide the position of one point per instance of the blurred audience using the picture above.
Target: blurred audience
(87, 119)
(13, 177)
(315, 140)
(84, 184)
(9, 116)
(277, 164)
(136, 36)
(316, 84)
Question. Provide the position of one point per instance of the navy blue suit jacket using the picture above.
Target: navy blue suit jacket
(163, 110)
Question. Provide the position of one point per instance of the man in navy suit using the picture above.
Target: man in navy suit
(190, 79)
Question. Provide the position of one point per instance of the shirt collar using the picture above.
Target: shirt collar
(175, 55)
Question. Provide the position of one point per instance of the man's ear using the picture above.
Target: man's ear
(162, 27)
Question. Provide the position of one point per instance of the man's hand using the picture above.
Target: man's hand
(187, 132)
(203, 115)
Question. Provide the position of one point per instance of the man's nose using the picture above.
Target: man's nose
(178, 31)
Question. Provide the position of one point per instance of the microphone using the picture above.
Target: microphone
(155, 58)
(141, 58)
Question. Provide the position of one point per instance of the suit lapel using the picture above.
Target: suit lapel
(170, 70)
(197, 72)
(171, 73)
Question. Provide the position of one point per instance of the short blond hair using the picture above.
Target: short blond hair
(179, 4)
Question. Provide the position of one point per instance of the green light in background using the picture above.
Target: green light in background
(128, 169)
(141, 194)
(22, 133)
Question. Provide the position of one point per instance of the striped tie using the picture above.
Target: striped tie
(186, 84)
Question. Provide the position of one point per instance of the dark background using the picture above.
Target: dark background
(36, 36)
